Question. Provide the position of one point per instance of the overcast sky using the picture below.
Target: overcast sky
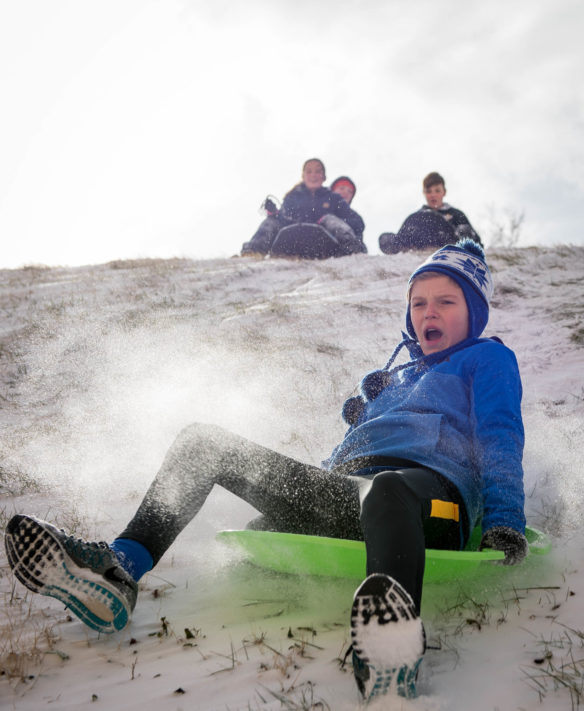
(155, 129)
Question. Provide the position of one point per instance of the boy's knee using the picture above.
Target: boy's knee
(388, 243)
(336, 225)
(388, 483)
(389, 490)
(390, 502)
(199, 434)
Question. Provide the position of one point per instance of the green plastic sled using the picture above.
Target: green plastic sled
(341, 558)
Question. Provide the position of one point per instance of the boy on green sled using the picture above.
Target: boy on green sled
(434, 446)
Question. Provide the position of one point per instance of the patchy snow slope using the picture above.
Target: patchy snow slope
(100, 368)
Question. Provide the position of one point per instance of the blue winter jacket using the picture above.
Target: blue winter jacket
(301, 205)
(459, 414)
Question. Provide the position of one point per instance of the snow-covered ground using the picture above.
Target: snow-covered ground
(100, 368)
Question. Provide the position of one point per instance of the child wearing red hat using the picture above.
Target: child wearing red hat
(345, 187)
(310, 202)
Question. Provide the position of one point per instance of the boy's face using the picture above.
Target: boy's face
(435, 195)
(345, 191)
(313, 175)
(439, 312)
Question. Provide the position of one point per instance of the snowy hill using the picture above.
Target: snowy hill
(100, 366)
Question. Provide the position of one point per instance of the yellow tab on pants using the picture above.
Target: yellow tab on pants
(444, 509)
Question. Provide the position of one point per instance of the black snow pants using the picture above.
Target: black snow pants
(397, 512)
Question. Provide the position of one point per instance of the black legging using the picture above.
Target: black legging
(394, 518)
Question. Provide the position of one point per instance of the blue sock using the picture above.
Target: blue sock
(133, 556)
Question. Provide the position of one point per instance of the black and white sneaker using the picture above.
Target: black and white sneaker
(388, 639)
(86, 577)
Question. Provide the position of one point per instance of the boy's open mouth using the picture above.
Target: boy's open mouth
(432, 334)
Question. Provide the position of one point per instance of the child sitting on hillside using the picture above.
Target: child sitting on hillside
(434, 446)
(345, 187)
(310, 202)
(435, 224)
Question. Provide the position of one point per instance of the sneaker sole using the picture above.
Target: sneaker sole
(386, 680)
(384, 620)
(42, 565)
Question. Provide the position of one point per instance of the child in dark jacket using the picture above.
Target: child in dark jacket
(310, 202)
(435, 224)
(434, 446)
(346, 188)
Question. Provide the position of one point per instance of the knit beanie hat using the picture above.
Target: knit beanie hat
(344, 179)
(465, 263)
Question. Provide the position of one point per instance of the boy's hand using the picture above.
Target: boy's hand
(502, 538)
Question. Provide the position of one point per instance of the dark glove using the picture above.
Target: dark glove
(502, 538)
(270, 206)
